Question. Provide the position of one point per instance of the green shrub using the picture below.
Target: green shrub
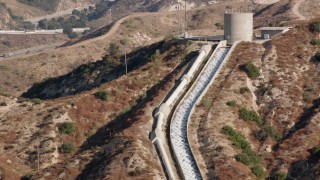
(279, 176)
(315, 26)
(269, 131)
(7, 43)
(67, 148)
(237, 139)
(232, 103)
(207, 102)
(244, 90)
(67, 128)
(124, 41)
(102, 95)
(252, 70)
(315, 42)
(248, 157)
(258, 171)
(27, 176)
(315, 151)
(156, 56)
(250, 115)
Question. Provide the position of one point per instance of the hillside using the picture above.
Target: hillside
(282, 138)
(124, 117)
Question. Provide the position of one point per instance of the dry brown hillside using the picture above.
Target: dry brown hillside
(285, 95)
(19, 74)
(108, 138)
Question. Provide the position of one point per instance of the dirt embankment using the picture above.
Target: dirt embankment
(286, 97)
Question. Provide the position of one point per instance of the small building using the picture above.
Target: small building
(269, 32)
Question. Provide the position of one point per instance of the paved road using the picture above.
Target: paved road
(32, 50)
(295, 10)
(57, 14)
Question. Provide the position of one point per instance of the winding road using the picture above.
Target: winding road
(295, 10)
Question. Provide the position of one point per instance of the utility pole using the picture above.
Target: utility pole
(38, 153)
(110, 11)
(125, 60)
(185, 16)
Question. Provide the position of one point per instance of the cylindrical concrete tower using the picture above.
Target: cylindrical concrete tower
(238, 26)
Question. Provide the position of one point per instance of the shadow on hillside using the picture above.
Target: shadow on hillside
(305, 169)
(304, 120)
(88, 76)
(109, 132)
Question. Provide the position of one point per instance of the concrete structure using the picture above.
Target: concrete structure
(269, 32)
(238, 27)
(158, 136)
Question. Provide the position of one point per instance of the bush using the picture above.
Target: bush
(315, 151)
(244, 90)
(248, 157)
(316, 57)
(3, 104)
(232, 103)
(124, 41)
(315, 42)
(279, 176)
(67, 148)
(266, 131)
(27, 176)
(237, 139)
(156, 56)
(252, 70)
(315, 26)
(250, 115)
(206, 102)
(102, 95)
(258, 171)
(67, 128)
(7, 43)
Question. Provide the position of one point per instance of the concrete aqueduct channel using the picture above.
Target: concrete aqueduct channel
(184, 157)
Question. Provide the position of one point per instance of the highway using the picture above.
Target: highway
(179, 122)
(32, 50)
(35, 20)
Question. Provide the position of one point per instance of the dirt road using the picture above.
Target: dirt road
(295, 10)
(32, 50)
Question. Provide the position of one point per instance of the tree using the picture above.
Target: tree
(67, 30)
(67, 148)
(114, 50)
(67, 128)
(102, 95)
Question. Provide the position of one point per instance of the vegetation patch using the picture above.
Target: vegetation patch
(279, 176)
(248, 157)
(232, 103)
(252, 70)
(244, 90)
(315, 41)
(250, 115)
(315, 26)
(46, 5)
(102, 95)
(27, 176)
(67, 148)
(237, 139)
(258, 171)
(268, 131)
(67, 128)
